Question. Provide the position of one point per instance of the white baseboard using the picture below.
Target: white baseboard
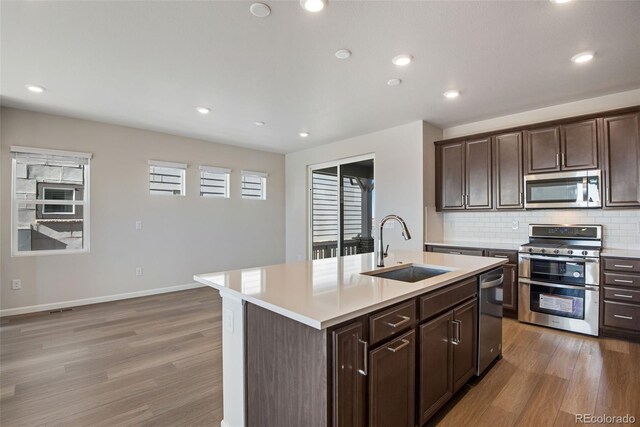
(96, 300)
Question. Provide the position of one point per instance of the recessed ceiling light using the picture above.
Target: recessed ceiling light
(394, 82)
(313, 5)
(304, 134)
(582, 57)
(402, 60)
(260, 10)
(203, 110)
(559, 1)
(450, 94)
(35, 88)
(259, 123)
(343, 54)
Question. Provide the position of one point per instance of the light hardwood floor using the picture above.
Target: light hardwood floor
(157, 361)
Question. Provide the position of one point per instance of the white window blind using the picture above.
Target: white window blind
(214, 181)
(254, 185)
(50, 201)
(325, 207)
(352, 206)
(167, 178)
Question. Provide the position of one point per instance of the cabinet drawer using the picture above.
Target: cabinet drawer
(456, 251)
(510, 255)
(622, 264)
(391, 321)
(440, 300)
(618, 279)
(621, 315)
(623, 295)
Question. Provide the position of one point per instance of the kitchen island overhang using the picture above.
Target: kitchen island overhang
(319, 294)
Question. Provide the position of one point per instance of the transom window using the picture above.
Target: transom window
(214, 182)
(49, 202)
(254, 185)
(167, 178)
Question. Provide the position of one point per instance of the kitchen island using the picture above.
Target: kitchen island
(296, 339)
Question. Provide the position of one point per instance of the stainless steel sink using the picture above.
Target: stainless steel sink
(409, 273)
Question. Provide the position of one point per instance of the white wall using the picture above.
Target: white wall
(585, 106)
(181, 236)
(398, 172)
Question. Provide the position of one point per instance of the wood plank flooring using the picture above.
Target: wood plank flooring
(157, 361)
(153, 361)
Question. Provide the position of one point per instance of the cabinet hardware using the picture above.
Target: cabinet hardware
(456, 339)
(501, 256)
(454, 253)
(557, 159)
(623, 296)
(404, 320)
(513, 276)
(620, 316)
(403, 344)
(623, 266)
(563, 159)
(520, 198)
(622, 281)
(365, 354)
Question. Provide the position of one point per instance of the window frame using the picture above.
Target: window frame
(263, 184)
(73, 207)
(218, 170)
(162, 164)
(85, 203)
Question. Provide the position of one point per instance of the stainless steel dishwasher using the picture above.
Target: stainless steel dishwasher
(489, 318)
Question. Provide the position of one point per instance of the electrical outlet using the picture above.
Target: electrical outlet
(138, 225)
(16, 284)
(515, 225)
(138, 271)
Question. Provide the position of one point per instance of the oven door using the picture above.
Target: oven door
(560, 270)
(563, 190)
(573, 308)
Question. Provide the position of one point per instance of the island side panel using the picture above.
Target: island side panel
(286, 371)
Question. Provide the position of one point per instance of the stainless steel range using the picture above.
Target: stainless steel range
(559, 283)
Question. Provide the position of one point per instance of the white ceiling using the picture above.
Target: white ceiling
(149, 64)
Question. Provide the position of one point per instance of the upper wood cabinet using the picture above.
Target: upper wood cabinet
(464, 174)
(572, 146)
(621, 154)
(507, 171)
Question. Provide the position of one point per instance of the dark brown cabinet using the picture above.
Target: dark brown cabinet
(620, 298)
(447, 356)
(621, 154)
(543, 150)
(349, 376)
(392, 383)
(510, 289)
(508, 177)
(463, 170)
(571, 146)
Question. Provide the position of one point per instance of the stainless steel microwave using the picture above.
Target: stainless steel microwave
(581, 189)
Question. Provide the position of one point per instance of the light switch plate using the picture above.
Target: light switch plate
(16, 284)
(515, 225)
(138, 225)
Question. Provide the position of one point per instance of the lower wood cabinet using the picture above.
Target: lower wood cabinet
(620, 298)
(349, 370)
(510, 289)
(392, 383)
(464, 342)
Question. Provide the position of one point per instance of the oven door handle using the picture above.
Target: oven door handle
(556, 285)
(560, 258)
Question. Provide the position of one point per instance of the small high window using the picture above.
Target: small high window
(167, 178)
(214, 182)
(254, 185)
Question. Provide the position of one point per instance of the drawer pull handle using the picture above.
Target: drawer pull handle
(623, 296)
(501, 256)
(365, 353)
(455, 253)
(622, 281)
(623, 266)
(456, 339)
(404, 320)
(401, 346)
(620, 316)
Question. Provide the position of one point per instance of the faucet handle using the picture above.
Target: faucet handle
(386, 251)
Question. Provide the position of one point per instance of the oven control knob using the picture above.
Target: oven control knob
(543, 251)
(585, 253)
(570, 251)
(555, 251)
(530, 249)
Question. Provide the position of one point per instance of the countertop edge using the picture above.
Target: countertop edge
(478, 245)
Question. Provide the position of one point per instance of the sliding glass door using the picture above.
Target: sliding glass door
(342, 215)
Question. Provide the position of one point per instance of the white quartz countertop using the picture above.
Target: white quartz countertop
(505, 246)
(326, 292)
(622, 253)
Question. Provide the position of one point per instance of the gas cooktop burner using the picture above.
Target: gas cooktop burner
(564, 240)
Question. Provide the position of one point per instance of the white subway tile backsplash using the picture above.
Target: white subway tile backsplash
(621, 228)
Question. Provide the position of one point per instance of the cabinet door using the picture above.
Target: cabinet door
(621, 149)
(435, 359)
(465, 319)
(507, 171)
(348, 376)
(510, 288)
(452, 176)
(478, 174)
(543, 150)
(392, 383)
(579, 147)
